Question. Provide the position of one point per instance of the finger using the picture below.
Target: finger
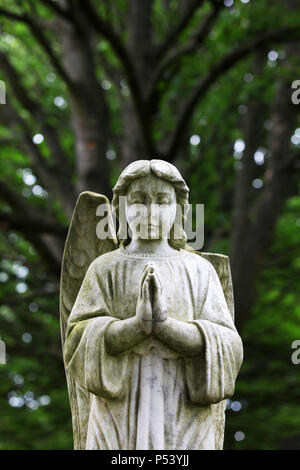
(147, 303)
(142, 281)
(151, 268)
(145, 288)
(157, 283)
(159, 280)
(146, 267)
(144, 275)
(147, 327)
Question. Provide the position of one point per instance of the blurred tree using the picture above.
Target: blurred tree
(92, 86)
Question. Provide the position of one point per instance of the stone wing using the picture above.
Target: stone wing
(82, 246)
(222, 267)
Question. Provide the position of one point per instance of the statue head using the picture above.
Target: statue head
(152, 185)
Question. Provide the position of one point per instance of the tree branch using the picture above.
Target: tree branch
(33, 296)
(175, 32)
(43, 41)
(181, 51)
(225, 64)
(67, 192)
(104, 29)
(30, 223)
(257, 212)
(66, 13)
(49, 247)
(11, 15)
(24, 210)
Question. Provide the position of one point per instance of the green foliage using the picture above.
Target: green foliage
(34, 405)
(269, 383)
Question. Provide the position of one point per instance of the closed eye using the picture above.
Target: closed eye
(137, 197)
(163, 200)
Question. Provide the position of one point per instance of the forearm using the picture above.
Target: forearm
(182, 336)
(122, 335)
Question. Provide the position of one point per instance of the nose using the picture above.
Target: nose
(151, 208)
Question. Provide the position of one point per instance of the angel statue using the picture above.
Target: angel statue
(150, 348)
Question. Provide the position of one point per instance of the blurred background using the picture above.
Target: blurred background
(205, 85)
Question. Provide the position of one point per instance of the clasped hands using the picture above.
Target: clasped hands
(151, 308)
(151, 316)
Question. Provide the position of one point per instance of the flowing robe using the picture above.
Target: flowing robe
(151, 396)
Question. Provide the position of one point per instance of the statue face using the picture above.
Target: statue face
(150, 207)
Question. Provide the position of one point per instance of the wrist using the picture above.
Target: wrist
(160, 325)
(142, 327)
(160, 315)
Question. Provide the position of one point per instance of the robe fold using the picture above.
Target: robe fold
(151, 396)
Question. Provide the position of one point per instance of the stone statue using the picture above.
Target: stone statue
(150, 347)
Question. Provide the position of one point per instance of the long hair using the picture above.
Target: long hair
(167, 172)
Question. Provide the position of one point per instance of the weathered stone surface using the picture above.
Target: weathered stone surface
(150, 347)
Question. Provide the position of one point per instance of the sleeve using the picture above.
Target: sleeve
(85, 354)
(211, 375)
